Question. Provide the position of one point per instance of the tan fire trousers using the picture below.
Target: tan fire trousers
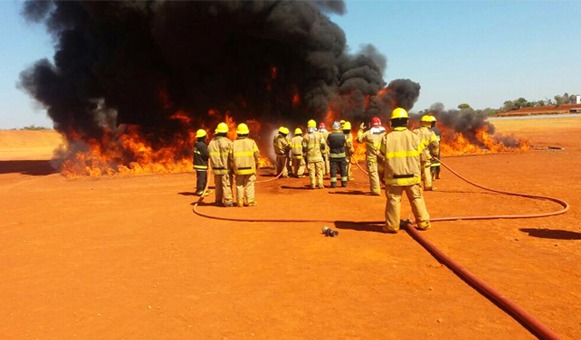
(316, 174)
(373, 174)
(245, 189)
(298, 166)
(393, 206)
(427, 176)
(282, 165)
(223, 184)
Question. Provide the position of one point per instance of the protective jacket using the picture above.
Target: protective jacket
(281, 145)
(430, 141)
(336, 140)
(201, 155)
(314, 145)
(403, 153)
(220, 148)
(297, 147)
(437, 154)
(244, 156)
(372, 139)
(349, 149)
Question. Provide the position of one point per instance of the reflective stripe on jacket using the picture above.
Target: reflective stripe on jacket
(402, 151)
(336, 140)
(430, 141)
(372, 139)
(244, 156)
(313, 142)
(220, 148)
(297, 147)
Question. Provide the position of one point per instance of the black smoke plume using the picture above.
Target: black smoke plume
(140, 62)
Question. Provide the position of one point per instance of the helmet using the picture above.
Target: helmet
(434, 119)
(283, 130)
(222, 128)
(312, 123)
(342, 121)
(336, 126)
(322, 125)
(426, 120)
(375, 121)
(399, 113)
(242, 129)
(346, 126)
(298, 131)
(200, 133)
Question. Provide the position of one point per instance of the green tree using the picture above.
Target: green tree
(464, 106)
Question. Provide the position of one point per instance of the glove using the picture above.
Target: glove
(362, 126)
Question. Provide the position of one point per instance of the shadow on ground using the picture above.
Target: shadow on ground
(360, 226)
(551, 233)
(27, 167)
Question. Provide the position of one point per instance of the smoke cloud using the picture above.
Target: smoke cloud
(141, 62)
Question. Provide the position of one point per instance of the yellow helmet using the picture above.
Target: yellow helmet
(222, 128)
(200, 133)
(399, 113)
(283, 130)
(312, 123)
(426, 120)
(298, 131)
(242, 129)
(434, 118)
(346, 126)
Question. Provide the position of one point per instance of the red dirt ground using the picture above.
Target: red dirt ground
(125, 256)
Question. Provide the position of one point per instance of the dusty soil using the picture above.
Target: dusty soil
(126, 257)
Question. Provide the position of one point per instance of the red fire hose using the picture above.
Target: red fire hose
(519, 314)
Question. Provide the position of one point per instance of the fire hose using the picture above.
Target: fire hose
(519, 314)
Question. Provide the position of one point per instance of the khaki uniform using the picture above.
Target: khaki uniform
(281, 146)
(372, 139)
(402, 155)
(244, 157)
(327, 164)
(314, 144)
(431, 148)
(220, 148)
(349, 151)
(297, 159)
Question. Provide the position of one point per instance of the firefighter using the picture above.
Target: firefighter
(349, 149)
(281, 144)
(372, 139)
(244, 159)
(201, 156)
(297, 160)
(220, 147)
(431, 148)
(314, 145)
(435, 166)
(401, 155)
(323, 131)
(337, 142)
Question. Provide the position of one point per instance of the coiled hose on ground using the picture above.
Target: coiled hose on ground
(519, 314)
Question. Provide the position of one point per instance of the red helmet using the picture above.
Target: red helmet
(375, 121)
(322, 125)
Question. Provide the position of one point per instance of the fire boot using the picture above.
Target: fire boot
(343, 183)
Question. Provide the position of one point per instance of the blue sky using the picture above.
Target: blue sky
(476, 52)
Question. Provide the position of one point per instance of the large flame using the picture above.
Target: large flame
(126, 151)
(479, 142)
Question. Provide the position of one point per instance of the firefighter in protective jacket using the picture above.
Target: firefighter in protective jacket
(220, 147)
(314, 146)
(201, 156)
(372, 139)
(431, 148)
(297, 159)
(244, 158)
(337, 142)
(281, 144)
(401, 154)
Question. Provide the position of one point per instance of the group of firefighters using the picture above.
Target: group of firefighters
(405, 159)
